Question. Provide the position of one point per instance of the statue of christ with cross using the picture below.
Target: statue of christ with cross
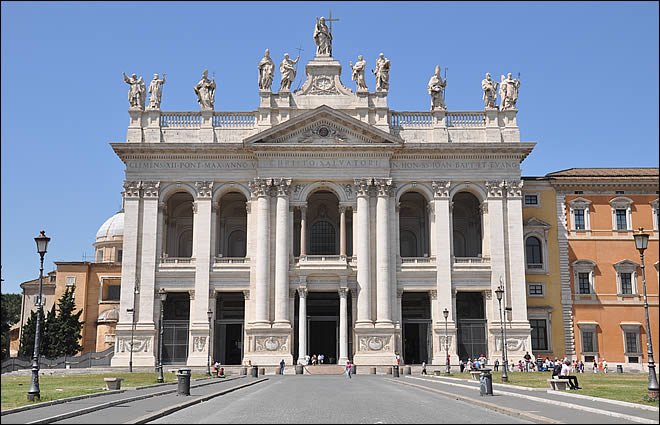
(323, 36)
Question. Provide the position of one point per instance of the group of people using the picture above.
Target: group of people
(218, 370)
(313, 360)
(474, 364)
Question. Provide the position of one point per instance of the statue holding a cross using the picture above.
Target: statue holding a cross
(322, 38)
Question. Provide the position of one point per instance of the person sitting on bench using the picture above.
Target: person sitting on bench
(564, 374)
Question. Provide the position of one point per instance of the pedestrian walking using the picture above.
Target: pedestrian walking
(398, 359)
(423, 368)
(321, 358)
(528, 359)
(461, 365)
(497, 364)
(282, 367)
(348, 369)
(595, 366)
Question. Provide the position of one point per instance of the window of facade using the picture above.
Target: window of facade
(322, 237)
(626, 276)
(539, 334)
(583, 276)
(632, 343)
(35, 300)
(655, 209)
(535, 232)
(588, 340)
(413, 225)
(533, 253)
(536, 289)
(99, 256)
(621, 213)
(579, 212)
(532, 200)
(110, 289)
(53, 278)
(70, 281)
(619, 192)
(119, 255)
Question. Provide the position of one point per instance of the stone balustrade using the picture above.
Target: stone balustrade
(180, 119)
(411, 119)
(471, 260)
(245, 120)
(466, 119)
(232, 260)
(177, 260)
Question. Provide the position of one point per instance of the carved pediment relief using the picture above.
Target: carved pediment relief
(323, 126)
(534, 222)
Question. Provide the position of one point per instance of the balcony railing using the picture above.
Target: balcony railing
(535, 266)
(471, 260)
(177, 260)
(231, 260)
(188, 119)
(417, 260)
(321, 258)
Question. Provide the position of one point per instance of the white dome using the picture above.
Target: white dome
(113, 227)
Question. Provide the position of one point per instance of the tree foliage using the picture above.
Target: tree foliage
(11, 313)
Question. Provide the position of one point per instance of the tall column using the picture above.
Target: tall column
(148, 258)
(342, 230)
(362, 251)
(383, 286)
(202, 255)
(497, 243)
(343, 326)
(302, 322)
(131, 256)
(261, 189)
(516, 260)
(282, 254)
(443, 250)
(303, 231)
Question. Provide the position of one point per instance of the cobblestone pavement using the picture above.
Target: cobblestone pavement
(335, 399)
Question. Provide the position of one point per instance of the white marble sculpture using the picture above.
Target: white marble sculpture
(205, 91)
(266, 71)
(508, 92)
(382, 73)
(322, 38)
(288, 70)
(137, 94)
(436, 89)
(358, 73)
(489, 87)
(156, 91)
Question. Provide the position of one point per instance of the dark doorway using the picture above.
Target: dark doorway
(416, 315)
(176, 316)
(323, 338)
(470, 312)
(230, 316)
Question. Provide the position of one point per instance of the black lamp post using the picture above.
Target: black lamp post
(163, 297)
(445, 313)
(641, 242)
(500, 292)
(209, 314)
(34, 392)
(130, 348)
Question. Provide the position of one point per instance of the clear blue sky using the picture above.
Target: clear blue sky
(589, 92)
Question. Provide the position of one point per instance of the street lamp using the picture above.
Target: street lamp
(445, 313)
(163, 297)
(208, 345)
(641, 242)
(499, 292)
(34, 392)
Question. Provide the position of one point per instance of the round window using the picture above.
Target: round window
(323, 132)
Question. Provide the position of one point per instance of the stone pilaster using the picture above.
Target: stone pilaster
(149, 255)
(343, 326)
(282, 254)
(302, 322)
(261, 190)
(152, 130)
(383, 289)
(363, 254)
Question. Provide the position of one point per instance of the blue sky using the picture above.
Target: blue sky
(588, 95)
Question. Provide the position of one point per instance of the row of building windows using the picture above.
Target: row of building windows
(621, 214)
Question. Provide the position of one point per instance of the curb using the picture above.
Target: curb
(169, 410)
(572, 406)
(90, 409)
(490, 406)
(58, 401)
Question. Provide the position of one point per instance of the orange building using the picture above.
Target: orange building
(601, 275)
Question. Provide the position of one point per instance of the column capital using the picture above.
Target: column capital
(383, 186)
(191, 294)
(495, 188)
(195, 207)
(441, 189)
(399, 293)
(342, 208)
(514, 188)
(484, 207)
(343, 292)
(302, 292)
(246, 294)
(433, 294)
(150, 189)
(362, 187)
(132, 189)
(260, 187)
(282, 185)
(204, 189)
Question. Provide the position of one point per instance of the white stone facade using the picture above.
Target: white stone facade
(321, 139)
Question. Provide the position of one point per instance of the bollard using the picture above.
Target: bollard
(255, 372)
(485, 382)
(183, 376)
(299, 369)
(407, 370)
(353, 369)
(262, 371)
(437, 372)
(619, 368)
(395, 371)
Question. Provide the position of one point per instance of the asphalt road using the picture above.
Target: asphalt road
(335, 399)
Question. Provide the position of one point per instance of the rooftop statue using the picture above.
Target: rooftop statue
(358, 74)
(288, 71)
(436, 89)
(205, 91)
(489, 87)
(137, 94)
(156, 91)
(322, 38)
(508, 92)
(382, 73)
(266, 71)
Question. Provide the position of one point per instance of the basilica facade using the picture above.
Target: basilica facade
(322, 222)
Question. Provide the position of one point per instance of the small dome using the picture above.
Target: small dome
(111, 315)
(113, 227)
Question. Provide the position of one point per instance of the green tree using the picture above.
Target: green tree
(49, 338)
(66, 331)
(11, 313)
(26, 348)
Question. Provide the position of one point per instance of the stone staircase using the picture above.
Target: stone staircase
(325, 369)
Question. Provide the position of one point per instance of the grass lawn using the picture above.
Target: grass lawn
(630, 387)
(54, 387)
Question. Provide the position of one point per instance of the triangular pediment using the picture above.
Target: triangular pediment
(535, 222)
(324, 126)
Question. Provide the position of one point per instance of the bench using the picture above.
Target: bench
(113, 383)
(475, 374)
(558, 384)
